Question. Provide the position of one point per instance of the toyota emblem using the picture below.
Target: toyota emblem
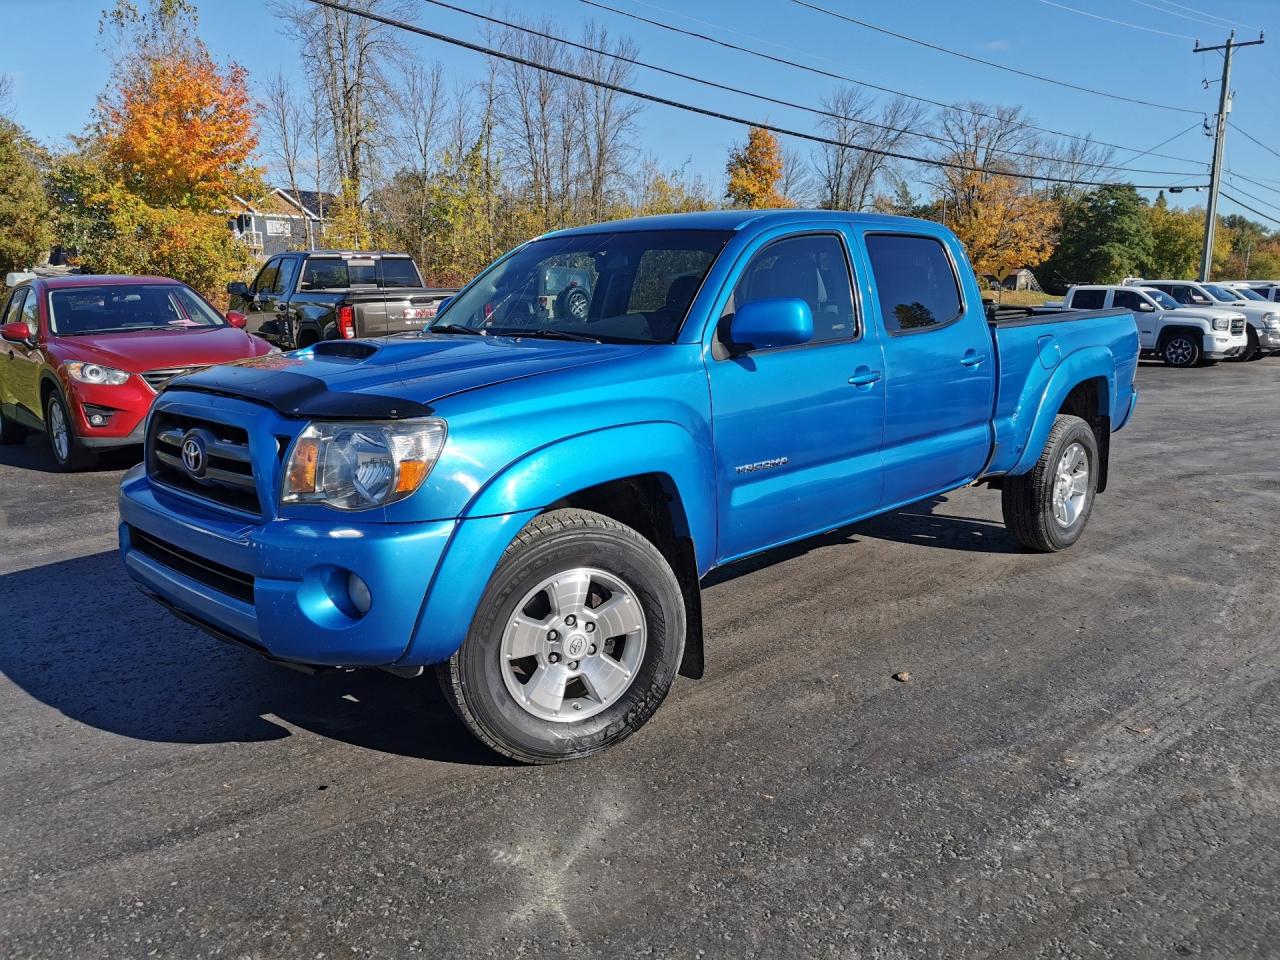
(193, 454)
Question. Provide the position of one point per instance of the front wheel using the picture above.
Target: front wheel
(575, 644)
(1182, 350)
(1047, 509)
(68, 451)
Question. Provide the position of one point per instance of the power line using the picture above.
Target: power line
(1245, 206)
(1265, 203)
(702, 111)
(992, 63)
(1249, 136)
(1229, 23)
(790, 104)
(1119, 23)
(1172, 13)
(862, 83)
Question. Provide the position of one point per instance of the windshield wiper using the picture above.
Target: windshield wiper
(546, 334)
(454, 328)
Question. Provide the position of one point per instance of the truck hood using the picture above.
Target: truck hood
(395, 377)
(1205, 313)
(158, 349)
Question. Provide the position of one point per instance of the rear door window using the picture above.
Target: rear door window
(1088, 299)
(915, 282)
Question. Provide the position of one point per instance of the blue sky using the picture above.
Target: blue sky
(58, 68)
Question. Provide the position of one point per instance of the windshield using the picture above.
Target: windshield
(1221, 294)
(624, 287)
(76, 311)
(1159, 296)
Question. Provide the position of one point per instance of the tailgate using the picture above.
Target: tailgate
(410, 310)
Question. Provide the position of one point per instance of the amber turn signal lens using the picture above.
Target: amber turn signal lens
(302, 466)
(412, 473)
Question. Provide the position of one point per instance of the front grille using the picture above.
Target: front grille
(156, 379)
(1237, 326)
(224, 579)
(228, 476)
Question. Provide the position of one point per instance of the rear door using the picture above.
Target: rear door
(797, 429)
(939, 367)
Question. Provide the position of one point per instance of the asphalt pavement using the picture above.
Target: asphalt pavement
(1084, 762)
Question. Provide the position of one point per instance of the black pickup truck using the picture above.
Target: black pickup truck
(298, 299)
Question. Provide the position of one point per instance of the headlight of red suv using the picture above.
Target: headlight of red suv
(96, 373)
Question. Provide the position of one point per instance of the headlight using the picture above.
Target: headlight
(95, 373)
(1222, 323)
(1271, 321)
(357, 465)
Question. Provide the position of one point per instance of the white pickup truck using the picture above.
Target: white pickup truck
(1262, 315)
(1181, 336)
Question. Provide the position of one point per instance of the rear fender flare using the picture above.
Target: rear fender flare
(1090, 363)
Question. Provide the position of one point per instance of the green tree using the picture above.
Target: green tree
(24, 208)
(1106, 236)
(1177, 237)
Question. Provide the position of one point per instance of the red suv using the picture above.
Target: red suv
(83, 357)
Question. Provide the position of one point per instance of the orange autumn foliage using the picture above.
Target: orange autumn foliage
(179, 132)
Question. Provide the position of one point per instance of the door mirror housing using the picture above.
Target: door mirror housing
(237, 319)
(17, 333)
(238, 288)
(772, 322)
(442, 304)
(1146, 307)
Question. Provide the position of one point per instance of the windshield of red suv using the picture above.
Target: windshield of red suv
(117, 308)
(631, 286)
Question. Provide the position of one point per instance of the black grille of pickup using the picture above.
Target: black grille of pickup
(224, 579)
(156, 379)
(227, 477)
(1237, 327)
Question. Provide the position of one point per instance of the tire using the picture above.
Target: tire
(11, 432)
(69, 453)
(1250, 351)
(1181, 350)
(617, 570)
(575, 303)
(1028, 501)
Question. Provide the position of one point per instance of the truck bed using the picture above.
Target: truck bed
(1036, 352)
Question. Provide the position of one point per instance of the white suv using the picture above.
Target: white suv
(1181, 336)
(1263, 316)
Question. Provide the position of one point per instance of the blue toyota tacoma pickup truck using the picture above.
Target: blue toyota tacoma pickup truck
(525, 499)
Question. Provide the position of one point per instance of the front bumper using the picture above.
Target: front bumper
(1269, 341)
(124, 406)
(280, 585)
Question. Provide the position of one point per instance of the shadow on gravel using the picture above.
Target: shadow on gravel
(77, 636)
(34, 454)
(915, 524)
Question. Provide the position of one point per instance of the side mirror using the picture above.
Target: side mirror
(440, 305)
(772, 322)
(17, 333)
(238, 288)
(237, 319)
(1146, 307)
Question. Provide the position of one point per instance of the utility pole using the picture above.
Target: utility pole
(1219, 144)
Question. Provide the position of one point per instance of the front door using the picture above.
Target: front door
(21, 387)
(797, 429)
(1147, 318)
(939, 367)
(265, 296)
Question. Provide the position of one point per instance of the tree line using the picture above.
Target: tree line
(456, 171)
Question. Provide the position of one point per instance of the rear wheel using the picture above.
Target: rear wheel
(1181, 350)
(1047, 509)
(575, 644)
(69, 452)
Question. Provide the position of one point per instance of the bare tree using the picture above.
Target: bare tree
(6, 90)
(796, 182)
(347, 59)
(284, 120)
(606, 118)
(849, 178)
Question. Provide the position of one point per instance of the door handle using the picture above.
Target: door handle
(972, 359)
(865, 379)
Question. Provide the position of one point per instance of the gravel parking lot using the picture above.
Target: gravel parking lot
(1083, 763)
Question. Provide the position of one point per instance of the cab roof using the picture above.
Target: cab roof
(734, 220)
(98, 280)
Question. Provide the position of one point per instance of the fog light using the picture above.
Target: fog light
(358, 590)
(98, 420)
